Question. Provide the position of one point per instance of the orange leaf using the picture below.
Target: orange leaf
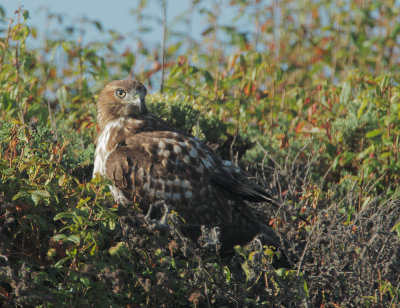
(4, 292)
(22, 207)
(126, 52)
(299, 127)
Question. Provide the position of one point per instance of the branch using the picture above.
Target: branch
(164, 7)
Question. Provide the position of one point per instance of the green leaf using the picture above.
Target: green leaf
(85, 281)
(361, 109)
(62, 96)
(21, 194)
(332, 150)
(61, 180)
(98, 25)
(397, 229)
(347, 158)
(74, 238)
(63, 215)
(282, 272)
(25, 14)
(278, 75)
(38, 195)
(345, 94)
(374, 133)
(227, 273)
(59, 237)
(111, 224)
(385, 82)
(209, 78)
(207, 31)
(119, 249)
(38, 220)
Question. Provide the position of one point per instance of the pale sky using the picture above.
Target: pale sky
(113, 14)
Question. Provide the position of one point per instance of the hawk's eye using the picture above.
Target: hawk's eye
(120, 93)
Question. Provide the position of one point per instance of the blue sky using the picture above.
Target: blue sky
(116, 15)
(113, 14)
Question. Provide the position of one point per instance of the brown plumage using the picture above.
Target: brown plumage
(149, 161)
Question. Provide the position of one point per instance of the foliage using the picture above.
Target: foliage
(304, 95)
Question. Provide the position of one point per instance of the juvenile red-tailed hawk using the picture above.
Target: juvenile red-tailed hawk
(149, 161)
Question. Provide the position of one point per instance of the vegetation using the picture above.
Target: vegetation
(305, 97)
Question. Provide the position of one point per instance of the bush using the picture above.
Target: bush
(312, 114)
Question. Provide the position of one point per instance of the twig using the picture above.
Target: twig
(281, 204)
(80, 64)
(305, 250)
(17, 68)
(164, 7)
(6, 45)
(190, 22)
(206, 293)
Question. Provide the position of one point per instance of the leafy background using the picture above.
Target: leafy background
(305, 98)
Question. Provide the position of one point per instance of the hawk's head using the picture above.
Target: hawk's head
(121, 98)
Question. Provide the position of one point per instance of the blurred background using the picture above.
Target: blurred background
(323, 38)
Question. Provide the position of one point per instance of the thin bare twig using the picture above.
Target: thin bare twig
(80, 64)
(6, 45)
(164, 7)
(17, 68)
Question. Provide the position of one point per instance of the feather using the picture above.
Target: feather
(149, 161)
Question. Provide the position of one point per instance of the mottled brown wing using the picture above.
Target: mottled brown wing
(179, 169)
(234, 180)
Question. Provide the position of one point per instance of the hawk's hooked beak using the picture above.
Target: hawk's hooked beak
(133, 105)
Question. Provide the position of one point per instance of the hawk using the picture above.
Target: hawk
(150, 161)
